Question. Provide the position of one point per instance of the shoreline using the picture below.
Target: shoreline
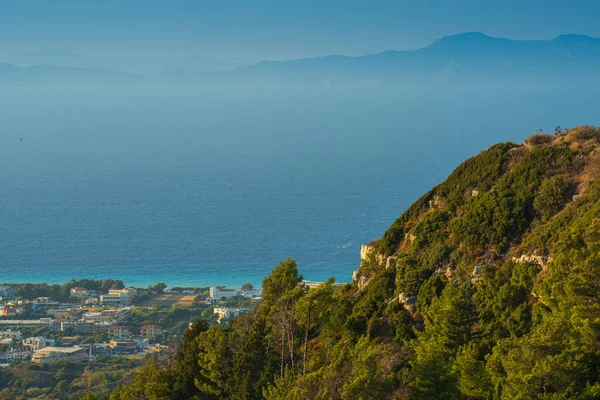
(171, 282)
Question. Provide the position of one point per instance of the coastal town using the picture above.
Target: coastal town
(85, 323)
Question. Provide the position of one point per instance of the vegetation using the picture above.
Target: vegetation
(65, 380)
(492, 293)
(31, 291)
(487, 287)
(174, 320)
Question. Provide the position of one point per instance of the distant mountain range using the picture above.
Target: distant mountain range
(465, 57)
(54, 74)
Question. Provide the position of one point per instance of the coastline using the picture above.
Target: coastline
(174, 279)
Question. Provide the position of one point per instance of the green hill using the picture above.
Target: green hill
(485, 288)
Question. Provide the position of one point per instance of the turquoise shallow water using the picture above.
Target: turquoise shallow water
(198, 187)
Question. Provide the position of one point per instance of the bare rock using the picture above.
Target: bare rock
(542, 261)
(365, 250)
(389, 262)
(363, 281)
(476, 274)
(408, 302)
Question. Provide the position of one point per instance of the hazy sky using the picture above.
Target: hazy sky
(252, 30)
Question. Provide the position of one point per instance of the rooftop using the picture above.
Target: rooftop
(118, 327)
(66, 350)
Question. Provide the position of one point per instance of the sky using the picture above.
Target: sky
(254, 30)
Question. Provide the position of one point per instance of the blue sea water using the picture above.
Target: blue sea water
(199, 186)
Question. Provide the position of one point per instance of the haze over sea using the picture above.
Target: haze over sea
(201, 186)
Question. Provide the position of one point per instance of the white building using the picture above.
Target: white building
(53, 354)
(218, 292)
(150, 331)
(37, 343)
(27, 323)
(96, 316)
(79, 293)
(118, 297)
(225, 313)
(250, 293)
(118, 332)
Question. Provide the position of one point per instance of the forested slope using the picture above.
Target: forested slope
(486, 287)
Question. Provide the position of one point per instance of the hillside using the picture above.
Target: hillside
(486, 287)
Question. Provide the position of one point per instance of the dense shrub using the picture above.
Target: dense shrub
(538, 139)
(552, 197)
(582, 133)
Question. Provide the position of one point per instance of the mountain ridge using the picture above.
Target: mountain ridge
(465, 57)
(51, 73)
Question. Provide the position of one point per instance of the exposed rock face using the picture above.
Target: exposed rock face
(476, 275)
(542, 261)
(447, 272)
(408, 302)
(412, 238)
(389, 262)
(436, 202)
(363, 281)
(365, 250)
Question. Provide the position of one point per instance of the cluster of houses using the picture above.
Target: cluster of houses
(41, 349)
(90, 322)
(7, 308)
(73, 319)
(219, 293)
(90, 313)
(114, 297)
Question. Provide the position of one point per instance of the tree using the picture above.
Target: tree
(186, 368)
(149, 383)
(434, 377)
(312, 311)
(158, 288)
(473, 379)
(251, 365)
(283, 278)
(247, 286)
(214, 360)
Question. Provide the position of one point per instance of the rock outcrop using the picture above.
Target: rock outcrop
(408, 302)
(365, 250)
(362, 282)
(542, 261)
(476, 274)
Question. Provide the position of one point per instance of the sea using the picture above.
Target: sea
(198, 186)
